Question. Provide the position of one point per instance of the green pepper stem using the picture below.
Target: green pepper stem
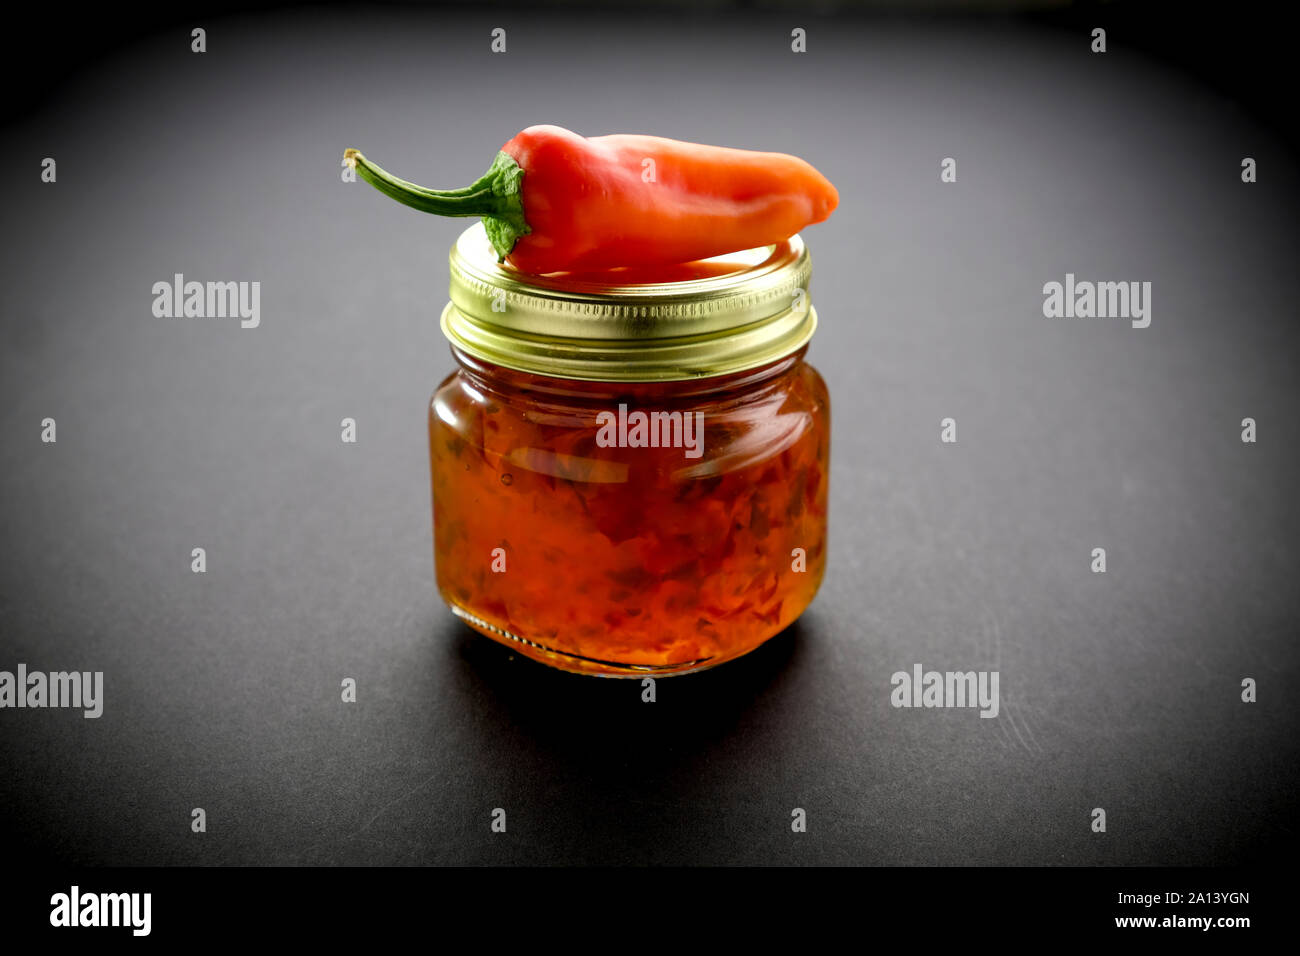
(496, 196)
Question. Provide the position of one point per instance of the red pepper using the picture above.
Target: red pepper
(553, 200)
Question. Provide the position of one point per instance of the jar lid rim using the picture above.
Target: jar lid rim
(714, 317)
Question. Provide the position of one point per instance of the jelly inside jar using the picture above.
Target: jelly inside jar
(624, 560)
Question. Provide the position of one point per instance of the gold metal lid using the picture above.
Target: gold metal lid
(714, 317)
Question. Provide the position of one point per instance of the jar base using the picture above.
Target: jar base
(577, 664)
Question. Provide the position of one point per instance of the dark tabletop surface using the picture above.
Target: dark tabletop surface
(222, 690)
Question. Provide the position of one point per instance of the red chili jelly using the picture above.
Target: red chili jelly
(630, 470)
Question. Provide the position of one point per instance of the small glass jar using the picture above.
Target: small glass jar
(630, 469)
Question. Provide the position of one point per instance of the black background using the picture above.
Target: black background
(1119, 691)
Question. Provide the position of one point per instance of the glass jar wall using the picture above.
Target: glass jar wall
(630, 559)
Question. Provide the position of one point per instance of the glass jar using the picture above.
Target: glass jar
(630, 469)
